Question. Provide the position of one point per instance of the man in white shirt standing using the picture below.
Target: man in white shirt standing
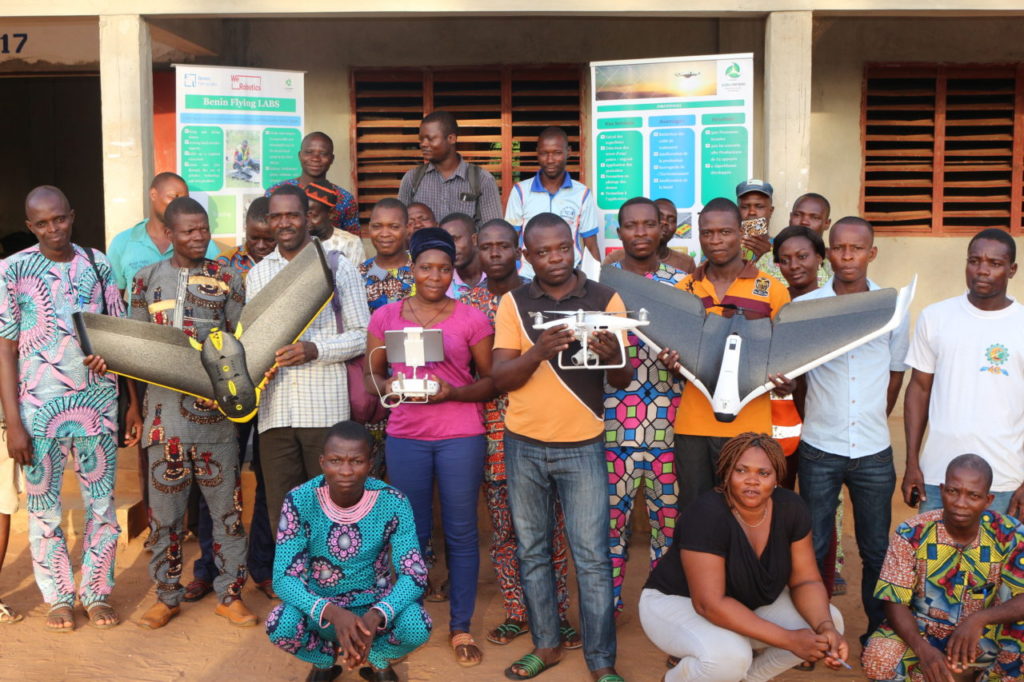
(553, 191)
(968, 381)
(845, 432)
(308, 391)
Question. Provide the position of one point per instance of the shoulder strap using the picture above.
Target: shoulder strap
(332, 263)
(417, 178)
(99, 280)
(475, 178)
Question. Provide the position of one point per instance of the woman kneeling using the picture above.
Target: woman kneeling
(739, 596)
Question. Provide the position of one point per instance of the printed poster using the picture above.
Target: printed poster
(239, 132)
(676, 128)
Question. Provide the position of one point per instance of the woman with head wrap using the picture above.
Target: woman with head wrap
(441, 439)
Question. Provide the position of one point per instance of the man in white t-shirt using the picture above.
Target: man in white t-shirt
(968, 380)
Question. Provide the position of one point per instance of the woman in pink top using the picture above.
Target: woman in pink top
(441, 440)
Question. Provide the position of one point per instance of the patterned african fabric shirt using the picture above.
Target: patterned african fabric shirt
(641, 415)
(194, 300)
(481, 298)
(346, 556)
(458, 289)
(315, 394)
(58, 396)
(238, 258)
(386, 286)
(943, 583)
(344, 215)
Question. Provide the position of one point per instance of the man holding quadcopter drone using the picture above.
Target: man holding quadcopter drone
(558, 452)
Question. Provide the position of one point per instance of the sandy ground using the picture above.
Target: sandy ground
(198, 645)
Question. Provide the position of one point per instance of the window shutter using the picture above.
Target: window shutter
(500, 111)
(942, 148)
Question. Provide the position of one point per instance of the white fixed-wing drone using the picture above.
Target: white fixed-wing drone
(583, 323)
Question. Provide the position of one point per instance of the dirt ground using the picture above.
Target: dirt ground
(199, 646)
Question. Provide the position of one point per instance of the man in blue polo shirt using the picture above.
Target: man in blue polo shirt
(148, 242)
(553, 191)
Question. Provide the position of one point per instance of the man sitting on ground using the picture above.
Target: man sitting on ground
(953, 586)
(336, 536)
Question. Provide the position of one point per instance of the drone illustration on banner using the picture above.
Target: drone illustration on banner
(583, 323)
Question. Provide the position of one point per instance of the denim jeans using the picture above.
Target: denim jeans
(1000, 501)
(871, 481)
(578, 474)
(457, 464)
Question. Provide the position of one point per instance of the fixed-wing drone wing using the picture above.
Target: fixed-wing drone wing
(583, 323)
(729, 358)
(226, 368)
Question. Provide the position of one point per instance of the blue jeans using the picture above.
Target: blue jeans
(1000, 500)
(261, 541)
(871, 481)
(579, 476)
(457, 464)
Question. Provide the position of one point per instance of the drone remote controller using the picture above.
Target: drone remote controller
(410, 390)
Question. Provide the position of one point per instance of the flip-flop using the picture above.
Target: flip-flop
(569, 637)
(611, 677)
(196, 590)
(70, 618)
(100, 609)
(532, 664)
(464, 639)
(510, 628)
(267, 588)
(371, 675)
(9, 615)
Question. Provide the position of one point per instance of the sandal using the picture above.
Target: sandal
(610, 677)
(506, 632)
(804, 666)
(267, 588)
(370, 674)
(9, 615)
(438, 595)
(532, 664)
(570, 638)
(66, 615)
(838, 586)
(102, 611)
(196, 590)
(672, 661)
(464, 640)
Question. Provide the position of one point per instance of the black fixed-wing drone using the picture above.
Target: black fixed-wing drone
(226, 368)
(729, 358)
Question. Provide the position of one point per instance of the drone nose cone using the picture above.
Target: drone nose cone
(724, 417)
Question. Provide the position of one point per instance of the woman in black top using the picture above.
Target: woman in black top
(741, 576)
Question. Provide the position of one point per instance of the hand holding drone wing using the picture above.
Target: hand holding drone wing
(279, 314)
(152, 353)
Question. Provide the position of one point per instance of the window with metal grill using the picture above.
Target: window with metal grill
(500, 111)
(942, 148)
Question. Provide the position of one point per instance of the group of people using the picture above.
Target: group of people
(742, 566)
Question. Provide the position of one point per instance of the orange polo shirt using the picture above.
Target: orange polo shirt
(760, 295)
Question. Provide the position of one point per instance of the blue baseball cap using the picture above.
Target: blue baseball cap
(754, 185)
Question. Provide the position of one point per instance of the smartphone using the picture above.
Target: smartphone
(915, 497)
(753, 226)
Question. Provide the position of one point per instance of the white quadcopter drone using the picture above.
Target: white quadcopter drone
(583, 323)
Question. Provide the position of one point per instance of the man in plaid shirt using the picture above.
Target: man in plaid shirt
(308, 391)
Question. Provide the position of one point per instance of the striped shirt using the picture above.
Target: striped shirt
(315, 394)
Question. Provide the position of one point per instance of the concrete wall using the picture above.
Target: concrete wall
(841, 49)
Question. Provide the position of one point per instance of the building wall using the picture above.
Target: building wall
(841, 49)
(336, 46)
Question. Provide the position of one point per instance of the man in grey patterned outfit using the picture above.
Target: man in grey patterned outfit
(187, 438)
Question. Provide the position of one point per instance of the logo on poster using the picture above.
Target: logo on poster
(246, 83)
(733, 70)
(189, 81)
